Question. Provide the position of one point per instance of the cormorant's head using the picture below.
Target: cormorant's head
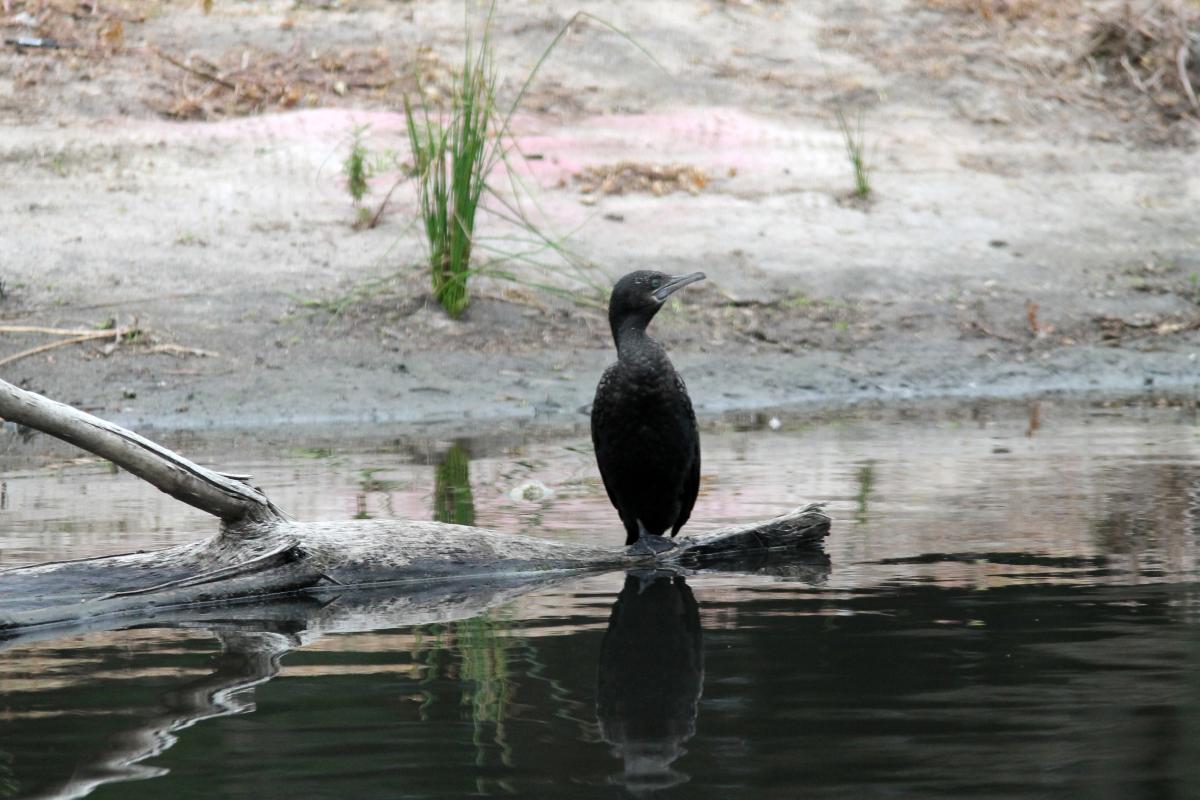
(639, 295)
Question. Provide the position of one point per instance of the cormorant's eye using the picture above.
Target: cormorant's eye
(655, 283)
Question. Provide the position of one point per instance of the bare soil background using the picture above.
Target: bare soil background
(177, 175)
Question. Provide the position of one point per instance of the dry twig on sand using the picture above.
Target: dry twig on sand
(73, 337)
(117, 335)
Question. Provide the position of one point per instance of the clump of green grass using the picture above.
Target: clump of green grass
(355, 168)
(450, 161)
(359, 167)
(358, 170)
(454, 152)
(854, 142)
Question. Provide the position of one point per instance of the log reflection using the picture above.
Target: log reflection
(471, 666)
(247, 659)
(651, 677)
(8, 783)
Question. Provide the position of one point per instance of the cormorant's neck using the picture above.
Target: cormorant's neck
(630, 336)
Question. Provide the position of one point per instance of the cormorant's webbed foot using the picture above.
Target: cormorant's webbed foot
(649, 545)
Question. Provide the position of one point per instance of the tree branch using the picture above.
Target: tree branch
(230, 500)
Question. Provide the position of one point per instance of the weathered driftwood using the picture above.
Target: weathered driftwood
(258, 553)
(223, 496)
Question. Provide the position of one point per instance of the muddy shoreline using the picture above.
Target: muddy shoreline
(517, 398)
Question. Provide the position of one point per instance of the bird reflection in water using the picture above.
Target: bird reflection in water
(650, 679)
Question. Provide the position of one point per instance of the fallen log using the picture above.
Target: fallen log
(259, 553)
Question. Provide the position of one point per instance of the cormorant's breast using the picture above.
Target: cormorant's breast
(647, 446)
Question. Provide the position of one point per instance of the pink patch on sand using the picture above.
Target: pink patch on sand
(714, 139)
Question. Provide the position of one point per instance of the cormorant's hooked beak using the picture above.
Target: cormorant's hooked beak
(678, 282)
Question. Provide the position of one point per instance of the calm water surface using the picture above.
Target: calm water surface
(1010, 607)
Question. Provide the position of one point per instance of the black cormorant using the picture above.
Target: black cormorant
(643, 426)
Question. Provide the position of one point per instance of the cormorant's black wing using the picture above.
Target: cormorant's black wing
(691, 484)
(601, 417)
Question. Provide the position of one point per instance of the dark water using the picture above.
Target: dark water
(1010, 607)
